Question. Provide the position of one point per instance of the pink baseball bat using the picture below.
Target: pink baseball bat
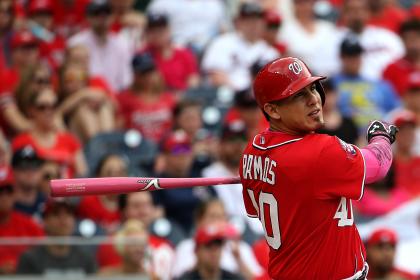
(117, 185)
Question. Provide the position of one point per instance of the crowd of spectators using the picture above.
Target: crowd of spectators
(163, 88)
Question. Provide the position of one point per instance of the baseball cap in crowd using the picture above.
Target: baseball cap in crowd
(272, 18)
(250, 9)
(26, 158)
(54, 205)
(245, 99)
(383, 236)
(157, 20)
(413, 82)
(6, 178)
(234, 130)
(177, 142)
(98, 7)
(143, 62)
(23, 38)
(350, 46)
(215, 232)
(404, 117)
(40, 6)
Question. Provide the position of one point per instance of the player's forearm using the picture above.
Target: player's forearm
(378, 158)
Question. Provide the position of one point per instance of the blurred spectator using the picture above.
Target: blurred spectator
(27, 173)
(6, 24)
(411, 100)
(5, 154)
(87, 110)
(57, 259)
(13, 224)
(311, 39)
(228, 58)
(193, 23)
(48, 141)
(399, 71)
(50, 171)
(407, 163)
(237, 256)
(178, 162)
(103, 210)
(381, 197)
(262, 251)
(209, 241)
(40, 20)
(131, 243)
(127, 22)
(69, 16)
(386, 14)
(109, 55)
(146, 106)
(233, 142)
(381, 46)
(360, 98)
(380, 253)
(177, 65)
(273, 23)
(138, 206)
(335, 123)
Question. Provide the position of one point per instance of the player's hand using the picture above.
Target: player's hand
(380, 128)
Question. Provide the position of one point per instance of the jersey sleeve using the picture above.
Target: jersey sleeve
(339, 171)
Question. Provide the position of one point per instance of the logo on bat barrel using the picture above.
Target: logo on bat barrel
(150, 183)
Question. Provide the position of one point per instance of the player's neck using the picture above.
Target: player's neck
(281, 128)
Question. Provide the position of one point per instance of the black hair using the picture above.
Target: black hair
(412, 24)
(202, 208)
(183, 104)
(103, 160)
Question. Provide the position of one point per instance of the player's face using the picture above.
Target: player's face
(299, 114)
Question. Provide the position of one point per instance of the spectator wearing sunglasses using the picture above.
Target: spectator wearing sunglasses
(50, 142)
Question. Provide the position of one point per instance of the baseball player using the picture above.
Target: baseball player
(300, 184)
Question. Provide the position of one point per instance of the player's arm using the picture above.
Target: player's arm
(378, 153)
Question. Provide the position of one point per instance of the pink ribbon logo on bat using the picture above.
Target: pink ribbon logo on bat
(150, 183)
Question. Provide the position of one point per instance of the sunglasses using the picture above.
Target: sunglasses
(6, 190)
(45, 106)
(214, 243)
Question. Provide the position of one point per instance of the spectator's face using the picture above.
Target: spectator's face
(6, 15)
(150, 80)
(250, 116)
(231, 151)
(99, 22)
(4, 151)
(79, 55)
(271, 33)
(355, 14)
(7, 200)
(179, 165)
(381, 256)
(74, 79)
(330, 100)
(251, 27)
(406, 137)
(412, 100)
(140, 207)
(135, 251)
(121, 6)
(60, 222)
(158, 37)
(41, 79)
(209, 255)
(215, 213)
(50, 171)
(28, 178)
(44, 19)
(25, 56)
(351, 64)
(411, 41)
(114, 166)
(44, 108)
(189, 119)
(304, 8)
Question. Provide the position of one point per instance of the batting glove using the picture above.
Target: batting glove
(380, 128)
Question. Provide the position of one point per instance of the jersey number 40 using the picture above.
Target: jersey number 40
(271, 225)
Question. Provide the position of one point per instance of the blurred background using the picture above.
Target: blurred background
(163, 88)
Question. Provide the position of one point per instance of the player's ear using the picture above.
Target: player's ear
(272, 110)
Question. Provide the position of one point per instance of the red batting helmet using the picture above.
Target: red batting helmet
(282, 78)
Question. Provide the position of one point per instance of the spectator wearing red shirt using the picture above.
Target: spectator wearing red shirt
(40, 19)
(177, 65)
(146, 106)
(6, 24)
(69, 16)
(49, 141)
(103, 209)
(386, 14)
(406, 162)
(380, 253)
(399, 72)
(13, 224)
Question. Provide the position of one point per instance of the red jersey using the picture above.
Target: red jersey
(407, 175)
(398, 74)
(301, 190)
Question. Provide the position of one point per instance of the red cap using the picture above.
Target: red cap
(22, 38)
(215, 231)
(36, 6)
(6, 177)
(272, 17)
(177, 142)
(413, 81)
(383, 235)
(53, 204)
(404, 117)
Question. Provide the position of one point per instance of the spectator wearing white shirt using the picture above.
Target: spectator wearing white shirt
(109, 55)
(228, 59)
(311, 39)
(381, 46)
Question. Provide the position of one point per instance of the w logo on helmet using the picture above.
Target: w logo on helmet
(295, 67)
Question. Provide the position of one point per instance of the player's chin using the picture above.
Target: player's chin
(315, 123)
